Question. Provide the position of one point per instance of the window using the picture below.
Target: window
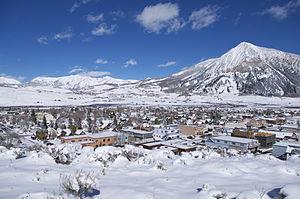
(103, 140)
(108, 139)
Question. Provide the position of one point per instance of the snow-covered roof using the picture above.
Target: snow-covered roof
(233, 139)
(278, 134)
(136, 131)
(95, 136)
(286, 144)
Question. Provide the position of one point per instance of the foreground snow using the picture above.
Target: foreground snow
(133, 172)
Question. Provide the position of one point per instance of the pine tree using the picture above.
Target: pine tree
(45, 122)
(33, 117)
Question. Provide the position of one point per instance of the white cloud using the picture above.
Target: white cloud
(79, 70)
(117, 14)
(104, 29)
(204, 17)
(63, 35)
(19, 78)
(76, 69)
(237, 19)
(43, 39)
(159, 17)
(77, 4)
(130, 62)
(101, 61)
(94, 18)
(169, 63)
(282, 12)
(94, 73)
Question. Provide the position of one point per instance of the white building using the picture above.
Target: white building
(232, 142)
(167, 133)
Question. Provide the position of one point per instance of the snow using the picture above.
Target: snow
(47, 96)
(290, 191)
(133, 172)
(78, 81)
(9, 81)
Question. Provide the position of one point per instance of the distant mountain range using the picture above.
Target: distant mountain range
(244, 70)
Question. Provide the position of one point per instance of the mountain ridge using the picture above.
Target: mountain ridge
(246, 69)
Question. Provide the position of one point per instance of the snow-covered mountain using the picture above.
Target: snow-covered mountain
(5, 81)
(245, 69)
(78, 82)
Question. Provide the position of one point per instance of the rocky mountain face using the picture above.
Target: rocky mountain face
(245, 69)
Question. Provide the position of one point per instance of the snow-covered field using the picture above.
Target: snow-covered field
(47, 96)
(133, 172)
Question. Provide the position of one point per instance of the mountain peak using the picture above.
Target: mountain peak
(245, 44)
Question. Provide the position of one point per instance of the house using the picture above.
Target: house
(277, 121)
(93, 140)
(243, 133)
(177, 145)
(265, 140)
(281, 135)
(191, 130)
(282, 150)
(232, 142)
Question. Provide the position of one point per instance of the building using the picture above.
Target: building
(282, 150)
(135, 135)
(177, 145)
(167, 133)
(266, 140)
(233, 142)
(281, 135)
(243, 133)
(191, 130)
(93, 140)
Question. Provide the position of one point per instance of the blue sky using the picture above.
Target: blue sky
(135, 39)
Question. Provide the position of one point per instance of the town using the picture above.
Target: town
(175, 128)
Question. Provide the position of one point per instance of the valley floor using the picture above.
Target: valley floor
(35, 96)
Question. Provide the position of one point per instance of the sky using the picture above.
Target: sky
(135, 39)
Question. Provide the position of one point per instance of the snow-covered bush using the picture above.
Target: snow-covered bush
(208, 191)
(64, 153)
(159, 165)
(81, 184)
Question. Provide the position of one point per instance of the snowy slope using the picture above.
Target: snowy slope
(245, 69)
(78, 82)
(158, 174)
(8, 81)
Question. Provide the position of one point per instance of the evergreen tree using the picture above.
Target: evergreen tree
(33, 117)
(45, 122)
(55, 125)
